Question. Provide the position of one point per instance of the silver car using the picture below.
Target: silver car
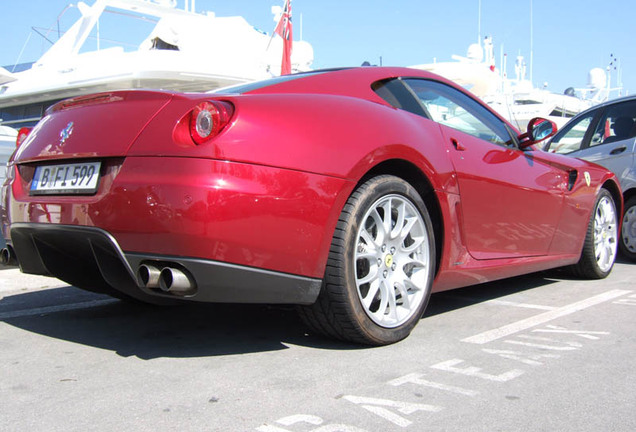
(606, 134)
(7, 146)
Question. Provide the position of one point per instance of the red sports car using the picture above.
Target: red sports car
(352, 193)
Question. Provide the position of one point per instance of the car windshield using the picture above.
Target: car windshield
(254, 85)
(257, 85)
(570, 138)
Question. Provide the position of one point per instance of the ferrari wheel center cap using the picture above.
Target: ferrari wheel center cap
(388, 260)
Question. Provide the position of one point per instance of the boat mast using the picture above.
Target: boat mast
(531, 42)
(479, 23)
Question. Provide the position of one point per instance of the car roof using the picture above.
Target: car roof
(603, 105)
(341, 81)
(354, 82)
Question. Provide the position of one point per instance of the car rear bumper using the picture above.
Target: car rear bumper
(227, 212)
(90, 258)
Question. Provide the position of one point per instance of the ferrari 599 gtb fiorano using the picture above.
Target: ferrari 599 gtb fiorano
(351, 193)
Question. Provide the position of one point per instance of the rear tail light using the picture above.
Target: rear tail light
(203, 122)
(208, 119)
(23, 133)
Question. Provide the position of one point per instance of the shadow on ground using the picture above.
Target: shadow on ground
(200, 330)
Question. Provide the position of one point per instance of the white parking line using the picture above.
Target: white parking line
(592, 335)
(472, 371)
(416, 378)
(507, 330)
(53, 309)
(521, 305)
(381, 407)
(500, 302)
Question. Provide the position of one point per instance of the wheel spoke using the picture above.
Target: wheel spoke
(366, 255)
(597, 241)
(371, 276)
(406, 302)
(406, 229)
(368, 240)
(386, 219)
(418, 242)
(379, 224)
(399, 223)
(392, 306)
(416, 262)
(601, 255)
(373, 290)
(384, 299)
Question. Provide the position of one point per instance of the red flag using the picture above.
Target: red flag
(284, 30)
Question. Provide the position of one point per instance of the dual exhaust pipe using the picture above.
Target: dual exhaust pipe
(167, 279)
(8, 257)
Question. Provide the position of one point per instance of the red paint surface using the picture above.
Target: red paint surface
(267, 192)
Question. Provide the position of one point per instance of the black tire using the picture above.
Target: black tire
(627, 242)
(339, 311)
(594, 264)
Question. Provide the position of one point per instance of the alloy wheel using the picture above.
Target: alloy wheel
(628, 232)
(392, 261)
(605, 234)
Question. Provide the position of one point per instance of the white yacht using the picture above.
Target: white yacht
(516, 99)
(176, 53)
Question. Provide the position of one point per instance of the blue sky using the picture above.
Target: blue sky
(570, 37)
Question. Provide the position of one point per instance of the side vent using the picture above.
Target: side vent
(572, 179)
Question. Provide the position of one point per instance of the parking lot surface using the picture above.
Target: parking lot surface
(536, 353)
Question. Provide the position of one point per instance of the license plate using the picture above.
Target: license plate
(73, 178)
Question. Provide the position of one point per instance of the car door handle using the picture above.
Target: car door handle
(457, 145)
(618, 150)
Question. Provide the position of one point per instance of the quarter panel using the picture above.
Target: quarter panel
(331, 135)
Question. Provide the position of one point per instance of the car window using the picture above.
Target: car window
(398, 95)
(617, 123)
(570, 138)
(261, 84)
(457, 110)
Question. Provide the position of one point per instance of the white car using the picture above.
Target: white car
(606, 134)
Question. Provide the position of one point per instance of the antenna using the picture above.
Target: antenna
(479, 24)
(531, 43)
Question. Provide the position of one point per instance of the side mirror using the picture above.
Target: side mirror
(538, 130)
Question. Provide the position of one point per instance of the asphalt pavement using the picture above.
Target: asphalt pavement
(541, 352)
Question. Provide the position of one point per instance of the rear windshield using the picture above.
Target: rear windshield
(257, 85)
